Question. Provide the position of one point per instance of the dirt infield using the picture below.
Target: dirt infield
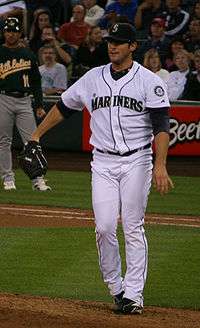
(35, 312)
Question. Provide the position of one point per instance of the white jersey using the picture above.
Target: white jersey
(93, 15)
(176, 84)
(120, 119)
(53, 77)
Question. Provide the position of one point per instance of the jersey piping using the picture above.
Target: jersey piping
(114, 141)
(119, 108)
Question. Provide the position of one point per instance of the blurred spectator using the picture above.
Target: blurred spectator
(196, 10)
(54, 75)
(192, 85)
(176, 44)
(146, 12)
(92, 52)
(156, 39)
(102, 3)
(187, 5)
(118, 8)
(176, 19)
(177, 79)
(75, 2)
(192, 37)
(153, 63)
(48, 37)
(54, 6)
(75, 32)
(42, 18)
(93, 12)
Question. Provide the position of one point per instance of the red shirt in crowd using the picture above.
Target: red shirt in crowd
(73, 33)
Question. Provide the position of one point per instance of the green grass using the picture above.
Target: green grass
(63, 262)
(174, 263)
(72, 189)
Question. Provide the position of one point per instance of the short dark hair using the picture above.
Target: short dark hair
(47, 46)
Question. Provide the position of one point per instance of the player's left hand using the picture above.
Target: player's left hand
(161, 179)
(40, 112)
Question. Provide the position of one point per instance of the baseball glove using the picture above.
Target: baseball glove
(32, 160)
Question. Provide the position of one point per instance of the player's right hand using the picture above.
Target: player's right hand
(32, 160)
(161, 180)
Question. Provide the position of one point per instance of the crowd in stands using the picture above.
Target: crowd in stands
(68, 38)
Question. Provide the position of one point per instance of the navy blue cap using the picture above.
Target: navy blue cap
(122, 32)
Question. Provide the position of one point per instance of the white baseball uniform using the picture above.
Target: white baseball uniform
(120, 123)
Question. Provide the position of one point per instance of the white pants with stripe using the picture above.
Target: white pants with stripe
(120, 188)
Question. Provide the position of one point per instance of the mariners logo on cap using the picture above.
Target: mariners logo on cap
(115, 28)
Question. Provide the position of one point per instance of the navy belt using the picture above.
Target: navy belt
(128, 153)
(15, 94)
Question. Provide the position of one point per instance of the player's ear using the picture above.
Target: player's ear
(133, 46)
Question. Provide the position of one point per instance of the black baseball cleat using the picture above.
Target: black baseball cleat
(131, 307)
(118, 301)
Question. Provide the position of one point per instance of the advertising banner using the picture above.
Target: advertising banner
(184, 130)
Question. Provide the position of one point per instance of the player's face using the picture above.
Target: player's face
(12, 38)
(120, 53)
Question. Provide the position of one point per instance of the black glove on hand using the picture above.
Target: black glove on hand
(32, 160)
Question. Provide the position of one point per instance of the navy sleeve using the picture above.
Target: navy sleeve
(64, 110)
(160, 119)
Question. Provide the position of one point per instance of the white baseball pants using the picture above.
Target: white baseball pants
(120, 188)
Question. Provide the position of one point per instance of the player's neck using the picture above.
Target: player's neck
(122, 67)
(116, 75)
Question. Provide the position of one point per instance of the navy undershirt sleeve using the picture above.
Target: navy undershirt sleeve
(160, 119)
(64, 110)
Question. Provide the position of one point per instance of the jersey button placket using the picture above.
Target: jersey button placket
(115, 115)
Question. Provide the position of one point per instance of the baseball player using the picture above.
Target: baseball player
(129, 108)
(19, 77)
